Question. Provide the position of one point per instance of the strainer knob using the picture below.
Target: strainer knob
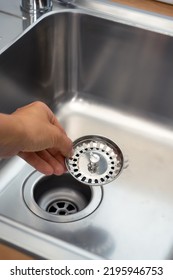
(93, 162)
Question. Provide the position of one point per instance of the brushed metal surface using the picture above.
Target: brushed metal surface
(112, 79)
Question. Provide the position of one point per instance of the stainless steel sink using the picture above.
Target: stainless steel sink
(101, 77)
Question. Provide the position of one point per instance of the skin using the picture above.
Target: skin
(34, 133)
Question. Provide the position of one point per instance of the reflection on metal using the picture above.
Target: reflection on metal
(36, 6)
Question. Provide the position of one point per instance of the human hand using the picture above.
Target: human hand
(41, 141)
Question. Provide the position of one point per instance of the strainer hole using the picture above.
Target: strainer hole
(61, 204)
(62, 213)
(70, 207)
(52, 209)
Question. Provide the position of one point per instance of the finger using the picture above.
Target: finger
(62, 143)
(56, 164)
(37, 162)
(58, 156)
(53, 120)
(56, 123)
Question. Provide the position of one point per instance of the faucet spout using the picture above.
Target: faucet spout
(36, 6)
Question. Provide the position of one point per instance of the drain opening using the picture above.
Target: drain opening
(62, 208)
(60, 198)
(61, 195)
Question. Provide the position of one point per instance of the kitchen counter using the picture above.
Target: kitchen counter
(149, 5)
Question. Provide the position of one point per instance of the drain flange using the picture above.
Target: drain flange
(96, 160)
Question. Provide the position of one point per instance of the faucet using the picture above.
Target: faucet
(33, 9)
(41, 6)
(36, 6)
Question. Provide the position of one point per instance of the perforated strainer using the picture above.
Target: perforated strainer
(96, 160)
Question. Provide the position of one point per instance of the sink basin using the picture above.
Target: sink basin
(106, 78)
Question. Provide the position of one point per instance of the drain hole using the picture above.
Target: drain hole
(62, 213)
(60, 204)
(62, 208)
(60, 198)
(62, 195)
(70, 207)
(52, 209)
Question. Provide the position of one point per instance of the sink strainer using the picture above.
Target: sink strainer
(96, 160)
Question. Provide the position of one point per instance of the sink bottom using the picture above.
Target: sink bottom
(140, 200)
(133, 219)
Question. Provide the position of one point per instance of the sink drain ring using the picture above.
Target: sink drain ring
(60, 198)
